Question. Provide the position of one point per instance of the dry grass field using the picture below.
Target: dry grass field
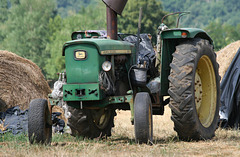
(166, 143)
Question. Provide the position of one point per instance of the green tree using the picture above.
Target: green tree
(222, 35)
(3, 17)
(204, 12)
(3, 10)
(71, 7)
(90, 18)
(27, 29)
(151, 17)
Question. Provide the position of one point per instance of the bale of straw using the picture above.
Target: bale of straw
(20, 81)
(226, 55)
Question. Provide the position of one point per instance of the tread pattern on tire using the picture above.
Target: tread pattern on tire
(81, 124)
(181, 83)
(142, 107)
(38, 130)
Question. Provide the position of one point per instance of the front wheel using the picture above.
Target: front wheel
(194, 90)
(143, 123)
(39, 122)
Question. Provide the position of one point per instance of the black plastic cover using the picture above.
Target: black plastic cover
(146, 51)
(15, 120)
(230, 97)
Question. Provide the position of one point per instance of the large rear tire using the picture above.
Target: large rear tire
(194, 90)
(39, 122)
(91, 123)
(143, 123)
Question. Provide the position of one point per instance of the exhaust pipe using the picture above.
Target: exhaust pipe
(111, 24)
(114, 7)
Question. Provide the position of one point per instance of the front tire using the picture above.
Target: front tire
(194, 90)
(143, 123)
(39, 122)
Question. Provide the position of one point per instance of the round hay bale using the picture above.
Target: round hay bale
(20, 81)
(226, 55)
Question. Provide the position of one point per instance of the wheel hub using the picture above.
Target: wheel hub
(101, 117)
(205, 91)
(198, 91)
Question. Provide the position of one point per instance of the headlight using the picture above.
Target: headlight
(106, 66)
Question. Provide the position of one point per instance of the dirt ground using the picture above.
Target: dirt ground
(121, 143)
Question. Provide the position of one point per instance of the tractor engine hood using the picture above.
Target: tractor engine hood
(104, 46)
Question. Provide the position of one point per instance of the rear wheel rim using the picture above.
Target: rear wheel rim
(205, 91)
(102, 121)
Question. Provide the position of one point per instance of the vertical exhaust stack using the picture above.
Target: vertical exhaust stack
(111, 23)
(114, 7)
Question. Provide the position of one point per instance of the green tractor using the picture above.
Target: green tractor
(106, 71)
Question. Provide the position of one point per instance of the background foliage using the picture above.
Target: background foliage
(37, 30)
(220, 18)
(204, 12)
(152, 13)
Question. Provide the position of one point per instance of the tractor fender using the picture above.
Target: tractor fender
(191, 33)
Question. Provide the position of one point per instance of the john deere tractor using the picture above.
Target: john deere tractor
(107, 70)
